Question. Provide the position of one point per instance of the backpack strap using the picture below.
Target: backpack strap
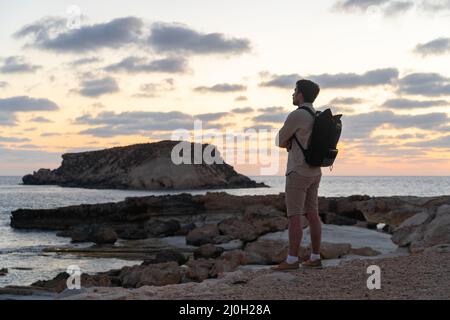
(294, 136)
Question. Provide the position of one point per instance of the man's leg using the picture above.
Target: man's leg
(315, 228)
(295, 234)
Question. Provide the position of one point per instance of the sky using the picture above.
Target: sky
(82, 75)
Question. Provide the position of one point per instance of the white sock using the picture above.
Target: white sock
(314, 257)
(291, 259)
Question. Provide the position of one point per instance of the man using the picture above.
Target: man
(302, 180)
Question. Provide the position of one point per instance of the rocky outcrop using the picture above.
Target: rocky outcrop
(147, 166)
(427, 228)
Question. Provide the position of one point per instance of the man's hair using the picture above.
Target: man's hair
(309, 90)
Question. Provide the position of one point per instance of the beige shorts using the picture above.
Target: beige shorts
(301, 194)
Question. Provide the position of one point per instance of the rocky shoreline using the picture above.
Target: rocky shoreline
(146, 166)
(185, 238)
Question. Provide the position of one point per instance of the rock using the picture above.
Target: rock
(3, 272)
(167, 256)
(238, 229)
(333, 218)
(334, 250)
(389, 210)
(159, 228)
(184, 229)
(266, 251)
(232, 245)
(59, 283)
(131, 232)
(160, 274)
(208, 251)
(202, 235)
(199, 270)
(364, 251)
(147, 166)
(102, 235)
(425, 229)
(92, 233)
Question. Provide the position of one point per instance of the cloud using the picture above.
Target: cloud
(435, 5)
(358, 5)
(413, 104)
(13, 139)
(41, 119)
(441, 142)
(223, 87)
(242, 110)
(438, 46)
(25, 104)
(341, 80)
(353, 80)
(271, 114)
(359, 126)
(241, 98)
(111, 124)
(211, 116)
(17, 64)
(426, 84)
(52, 34)
(150, 90)
(4, 84)
(84, 61)
(394, 8)
(176, 37)
(281, 81)
(50, 134)
(98, 87)
(346, 100)
(28, 156)
(141, 65)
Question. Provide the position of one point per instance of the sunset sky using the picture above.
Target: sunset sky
(134, 71)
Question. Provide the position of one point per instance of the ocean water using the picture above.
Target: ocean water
(21, 251)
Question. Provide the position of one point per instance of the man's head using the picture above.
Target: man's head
(305, 91)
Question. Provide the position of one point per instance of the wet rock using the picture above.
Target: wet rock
(3, 272)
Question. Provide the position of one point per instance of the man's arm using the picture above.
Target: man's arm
(291, 125)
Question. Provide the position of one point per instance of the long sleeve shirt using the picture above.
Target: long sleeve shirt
(299, 122)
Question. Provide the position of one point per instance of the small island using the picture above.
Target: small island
(146, 166)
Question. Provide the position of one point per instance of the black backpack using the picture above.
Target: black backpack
(322, 149)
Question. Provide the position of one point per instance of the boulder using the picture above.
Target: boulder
(334, 250)
(266, 251)
(98, 234)
(202, 235)
(167, 256)
(160, 274)
(199, 270)
(208, 251)
(426, 229)
(159, 228)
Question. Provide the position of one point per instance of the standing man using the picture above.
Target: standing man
(302, 180)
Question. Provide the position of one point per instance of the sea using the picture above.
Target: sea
(21, 251)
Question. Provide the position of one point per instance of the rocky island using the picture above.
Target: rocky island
(145, 166)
